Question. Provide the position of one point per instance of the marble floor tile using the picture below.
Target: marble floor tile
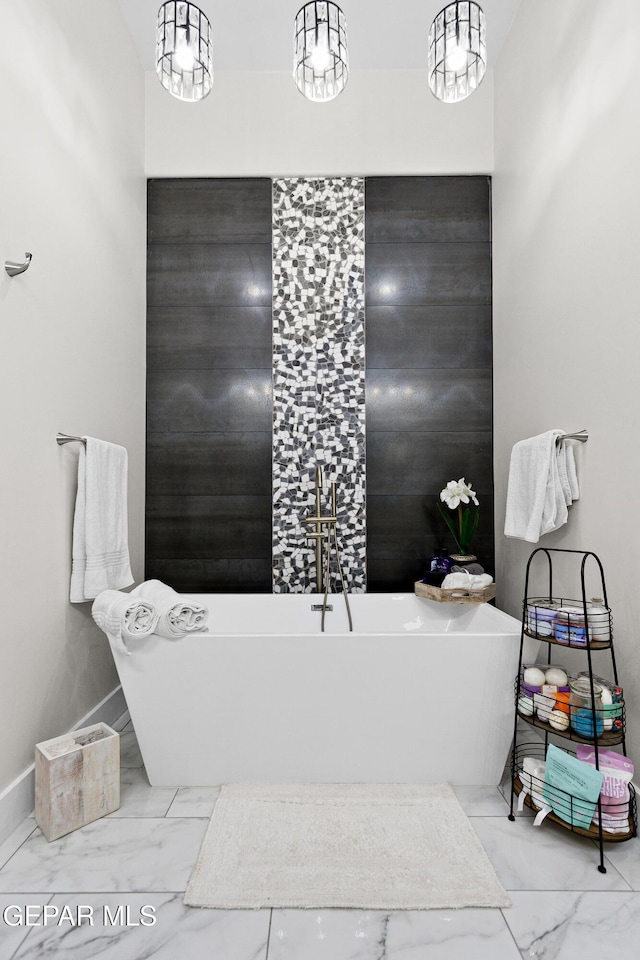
(542, 858)
(327, 934)
(130, 755)
(109, 855)
(12, 917)
(178, 931)
(401, 935)
(121, 722)
(626, 859)
(481, 801)
(15, 840)
(575, 926)
(194, 802)
(481, 934)
(139, 799)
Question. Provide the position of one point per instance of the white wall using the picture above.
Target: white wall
(72, 191)
(566, 221)
(258, 124)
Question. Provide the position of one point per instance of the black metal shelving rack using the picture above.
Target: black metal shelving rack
(613, 738)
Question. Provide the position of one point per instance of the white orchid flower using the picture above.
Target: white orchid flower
(467, 492)
(451, 494)
(456, 492)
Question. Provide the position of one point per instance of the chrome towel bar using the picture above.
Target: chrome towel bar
(581, 435)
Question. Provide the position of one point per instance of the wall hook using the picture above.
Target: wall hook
(13, 269)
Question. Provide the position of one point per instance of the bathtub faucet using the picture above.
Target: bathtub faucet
(320, 522)
(325, 526)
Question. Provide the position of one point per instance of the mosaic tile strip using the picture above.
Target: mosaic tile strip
(318, 374)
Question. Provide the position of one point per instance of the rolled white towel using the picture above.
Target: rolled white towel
(123, 617)
(466, 581)
(177, 616)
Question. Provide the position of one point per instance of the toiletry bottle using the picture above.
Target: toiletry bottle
(440, 562)
(581, 713)
(598, 620)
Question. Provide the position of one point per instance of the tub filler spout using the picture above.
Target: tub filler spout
(324, 530)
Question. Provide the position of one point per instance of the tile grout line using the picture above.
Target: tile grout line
(511, 933)
(266, 956)
(29, 931)
(9, 859)
(106, 893)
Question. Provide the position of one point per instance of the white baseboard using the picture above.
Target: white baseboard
(17, 801)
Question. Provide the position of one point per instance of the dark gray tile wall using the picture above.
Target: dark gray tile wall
(208, 515)
(428, 376)
(428, 367)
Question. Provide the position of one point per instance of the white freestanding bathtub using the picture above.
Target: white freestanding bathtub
(420, 692)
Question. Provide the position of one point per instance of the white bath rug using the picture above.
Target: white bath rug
(367, 846)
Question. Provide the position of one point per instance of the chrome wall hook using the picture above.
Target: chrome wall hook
(13, 269)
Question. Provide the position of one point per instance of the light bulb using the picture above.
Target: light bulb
(320, 58)
(457, 59)
(183, 55)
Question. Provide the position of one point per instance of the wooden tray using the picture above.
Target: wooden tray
(456, 595)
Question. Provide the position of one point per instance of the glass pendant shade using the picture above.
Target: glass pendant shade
(457, 56)
(320, 56)
(183, 51)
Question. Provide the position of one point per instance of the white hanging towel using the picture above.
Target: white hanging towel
(571, 472)
(555, 511)
(100, 553)
(562, 460)
(123, 617)
(177, 616)
(535, 495)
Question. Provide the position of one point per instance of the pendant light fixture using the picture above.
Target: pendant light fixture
(457, 56)
(183, 51)
(320, 56)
